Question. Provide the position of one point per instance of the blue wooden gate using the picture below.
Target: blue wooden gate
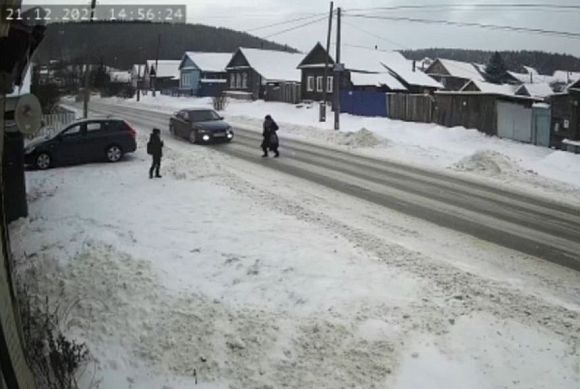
(364, 103)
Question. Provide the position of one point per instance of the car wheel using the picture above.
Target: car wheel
(43, 161)
(114, 153)
(193, 136)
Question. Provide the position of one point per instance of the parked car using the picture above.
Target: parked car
(200, 126)
(83, 141)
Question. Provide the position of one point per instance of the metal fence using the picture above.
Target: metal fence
(54, 122)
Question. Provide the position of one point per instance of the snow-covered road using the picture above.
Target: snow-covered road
(516, 220)
(250, 278)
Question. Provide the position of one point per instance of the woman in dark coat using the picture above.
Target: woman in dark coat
(270, 141)
(154, 148)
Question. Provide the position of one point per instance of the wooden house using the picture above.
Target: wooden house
(453, 75)
(264, 74)
(566, 114)
(364, 70)
(163, 75)
(203, 74)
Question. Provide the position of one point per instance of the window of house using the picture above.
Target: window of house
(319, 84)
(245, 80)
(329, 84)
(310, 84)
(232, 81)
(238, 81)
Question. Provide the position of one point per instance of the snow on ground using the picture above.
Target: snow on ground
(245, 278)
(466, 152)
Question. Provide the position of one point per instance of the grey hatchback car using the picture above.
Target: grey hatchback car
(200, 125)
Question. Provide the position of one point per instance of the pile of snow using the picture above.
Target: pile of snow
(487, 162)
(361, 138)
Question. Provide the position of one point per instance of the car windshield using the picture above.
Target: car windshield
(203, 116)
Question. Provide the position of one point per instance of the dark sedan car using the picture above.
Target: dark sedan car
(83, 141)
(200, 126)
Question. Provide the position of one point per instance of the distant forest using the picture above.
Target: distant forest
(544, 62)
(122, 44)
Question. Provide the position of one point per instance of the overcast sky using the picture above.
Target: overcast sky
(246, 15)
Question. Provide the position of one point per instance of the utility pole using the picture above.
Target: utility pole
(325, 82)
(86, 80)
(156, 64)
(337, 73)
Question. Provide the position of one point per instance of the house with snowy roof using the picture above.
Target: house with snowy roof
(453, 75)
(203, 73)
(267, 74)
(489, 88)
(537, 90)
(163, 74)
(364, 70)
(566, 116)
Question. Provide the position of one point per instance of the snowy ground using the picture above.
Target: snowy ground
(248, 278)
(471, 154)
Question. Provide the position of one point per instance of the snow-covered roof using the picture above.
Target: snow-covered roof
(376, 79)
(167, 68)
(530, 70)
(274, 65)
(120, 76)
(365, 60)
(488, 87)
(209, 62)
(462, 69)
(404, 69)
(535, 90)
(566, 76)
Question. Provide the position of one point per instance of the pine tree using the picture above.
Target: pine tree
(495, 71)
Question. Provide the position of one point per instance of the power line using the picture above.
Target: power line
(375, 35)
(286, 22)
(520, 6)
(295, 28)
(565, 34)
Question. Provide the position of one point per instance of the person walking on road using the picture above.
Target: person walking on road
(270, 141)
(155, 149)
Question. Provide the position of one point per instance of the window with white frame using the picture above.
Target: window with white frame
(244, 80)
(232, 81)
(319, 84)
(310, 84)
(238, 81)
(329, 84)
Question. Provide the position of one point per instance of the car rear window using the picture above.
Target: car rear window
(203, 116)
(114, 125)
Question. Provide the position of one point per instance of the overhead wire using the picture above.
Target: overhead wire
(369, 33)
(472, 6)
(295, 27)
(286, 22)
(565, 34)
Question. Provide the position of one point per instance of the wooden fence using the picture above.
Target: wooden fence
(411, 107)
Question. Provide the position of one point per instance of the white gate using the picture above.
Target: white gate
(514, 122)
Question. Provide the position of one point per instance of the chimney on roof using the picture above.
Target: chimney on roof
(414, 65)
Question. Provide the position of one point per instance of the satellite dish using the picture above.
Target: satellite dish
(28, 114)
